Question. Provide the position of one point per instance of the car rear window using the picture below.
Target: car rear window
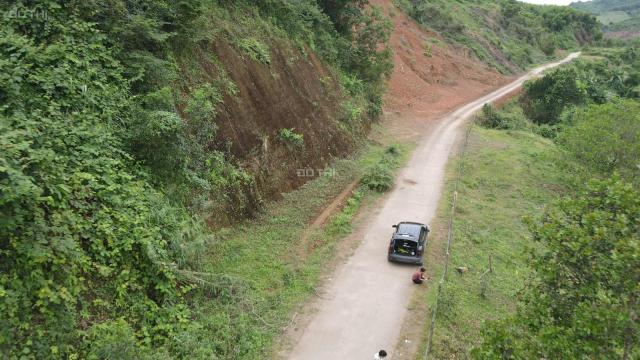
(405, 247)
(409, 229)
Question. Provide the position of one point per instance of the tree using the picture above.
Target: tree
(343, 13)
(368, 55)
(546, 98)
(582, 301)
(606, 138)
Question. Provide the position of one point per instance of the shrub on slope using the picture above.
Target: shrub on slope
(79, 242)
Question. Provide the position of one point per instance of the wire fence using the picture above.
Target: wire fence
(452, 214)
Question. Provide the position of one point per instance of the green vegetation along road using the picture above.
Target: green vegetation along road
(368, 297)
(549, 200)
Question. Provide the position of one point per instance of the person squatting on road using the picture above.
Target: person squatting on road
(380, 355)
(418, 277)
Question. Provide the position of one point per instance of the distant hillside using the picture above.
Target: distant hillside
(599, 7)
(620, 17)
(508, 35)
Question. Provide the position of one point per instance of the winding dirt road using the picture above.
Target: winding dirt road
(368, 297)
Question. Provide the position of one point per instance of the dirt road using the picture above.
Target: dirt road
(367, 299)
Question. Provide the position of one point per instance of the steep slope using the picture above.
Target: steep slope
(124, 124)
(250, 93)
(294, 93)
(431, 76)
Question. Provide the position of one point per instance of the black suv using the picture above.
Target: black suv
(408, 242)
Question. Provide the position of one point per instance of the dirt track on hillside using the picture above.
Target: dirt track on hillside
(367, 300)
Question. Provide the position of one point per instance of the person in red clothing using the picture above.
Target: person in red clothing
(418, 277)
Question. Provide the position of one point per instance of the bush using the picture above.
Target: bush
(79, 240)
(113, 340)
(547, 44)
(255, 49)
(546, 98)
(427, 49)
(393, 150)
(374, 107)
(508, 118)
(379, 177)
(546, 130)
(606, 138)
(367, 54)
(288, 136)
(582, 298)
(351, 113)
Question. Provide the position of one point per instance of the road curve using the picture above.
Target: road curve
(368, 297)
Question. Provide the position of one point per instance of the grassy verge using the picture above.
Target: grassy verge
(252, 277)
(507, 175)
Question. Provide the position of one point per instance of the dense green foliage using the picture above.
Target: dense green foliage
(551, 99)
(545, 99)
(605, 139)
(509, 117)
(379, 177)
(288, 136)
(343, 12)
(507, 34)
(82, 240)
(106, 137)
(582, 300)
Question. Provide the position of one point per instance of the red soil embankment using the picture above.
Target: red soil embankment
(423, 86)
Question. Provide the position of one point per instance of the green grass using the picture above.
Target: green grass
(507, 175)
(613, 17)
(631, 24)
(266, 275)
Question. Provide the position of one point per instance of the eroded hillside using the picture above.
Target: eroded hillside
(431, 76)
(284, 115)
